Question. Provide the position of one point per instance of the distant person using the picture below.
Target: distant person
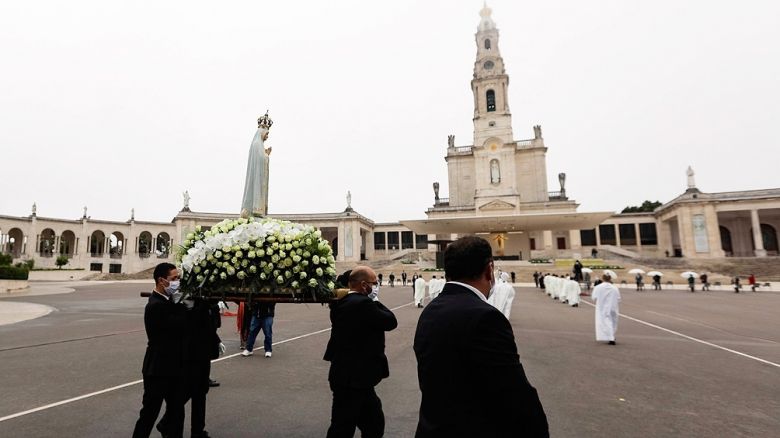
(656, 282)
(705, 284)
(586, 278)
(414, 279)
(502, 296)
(692, 283)
(512, 274)
(541, 281)
(356, 352)
(594, 253)
(607, 298)
(419, 291)
(737, 285)
(262, 319)
(577, 271)
(752, 282)
(536, 278)
(163, 369)
(380, 278)
(471, 378)
(639, 284)
(403, 277)
(392, 279)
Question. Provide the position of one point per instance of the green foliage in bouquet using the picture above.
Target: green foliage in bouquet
(257, 256)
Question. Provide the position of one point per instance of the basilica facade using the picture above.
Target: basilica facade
(498, 188)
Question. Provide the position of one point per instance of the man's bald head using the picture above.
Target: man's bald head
(361, 279)
(607, 278)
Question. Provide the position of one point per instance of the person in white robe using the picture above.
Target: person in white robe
(435, 286)
(503, 295)
(572, 292)
(419, 291)
(548, 281)
(607, 298)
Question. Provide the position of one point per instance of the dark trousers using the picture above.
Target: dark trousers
(157, 390)
(199, 387)
(356, 407)
(195, 389)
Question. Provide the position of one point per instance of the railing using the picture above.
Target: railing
(144, 255)
(461, 149)
(524, 143)
(444, 202)
(96, 254)
(558, 196)
(116, 255)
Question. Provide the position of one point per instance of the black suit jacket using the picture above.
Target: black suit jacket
(472, 382)
(165, 324)
(356, 349)
(202, 341)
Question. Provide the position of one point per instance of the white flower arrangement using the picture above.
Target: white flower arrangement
(257, 255)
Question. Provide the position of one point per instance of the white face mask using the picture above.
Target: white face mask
(173, 286)
(492, 285)
(374, 294)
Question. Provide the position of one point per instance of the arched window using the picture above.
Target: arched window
(163, 246)
(495, 172)
(144, 244)
(491, 100)
(487, 44)
(46, 245)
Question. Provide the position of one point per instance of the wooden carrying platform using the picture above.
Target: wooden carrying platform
(281, 297)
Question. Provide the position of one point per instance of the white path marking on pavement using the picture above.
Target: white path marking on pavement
(135, 382)
(701, 341)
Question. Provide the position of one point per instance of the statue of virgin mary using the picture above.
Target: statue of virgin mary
(255, 202)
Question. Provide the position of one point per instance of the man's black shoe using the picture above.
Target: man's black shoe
(612, 343)
(212, 384)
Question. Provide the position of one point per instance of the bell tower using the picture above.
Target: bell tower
(492, 118)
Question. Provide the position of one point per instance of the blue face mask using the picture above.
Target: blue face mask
(173, 286)
(374, 292)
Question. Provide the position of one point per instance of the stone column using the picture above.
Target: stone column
(369, 244)
(547, 240)
(638, 237)
(598, 235)
(758, 239)
(713, 232)
(617, 235)
(575, 240)
(386, 245)
(340, 247)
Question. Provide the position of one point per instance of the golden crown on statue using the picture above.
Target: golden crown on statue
(265, 121)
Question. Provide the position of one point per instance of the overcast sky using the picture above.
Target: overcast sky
(116, 105)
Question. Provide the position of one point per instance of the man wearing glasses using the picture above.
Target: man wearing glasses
(356, 351)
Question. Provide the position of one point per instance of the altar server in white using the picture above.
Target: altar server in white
(607, 298)
(572, 292)
(435, 286)
(419, 291)
(503, 295)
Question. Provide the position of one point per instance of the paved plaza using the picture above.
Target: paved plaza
(703, 364)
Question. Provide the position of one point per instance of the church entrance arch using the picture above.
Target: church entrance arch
(68, 243)
(15, 242)
(46, 244)
(163, 245)
(116, 244)
(97, 243)
(144, 244)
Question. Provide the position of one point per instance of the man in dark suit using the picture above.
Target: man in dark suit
(356, 351)
(165, 323)
(472, 382)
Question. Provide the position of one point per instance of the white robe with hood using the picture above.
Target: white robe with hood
(419, 291)
(435, 286)
(571, 292)
(607, 297)
(503, 295)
